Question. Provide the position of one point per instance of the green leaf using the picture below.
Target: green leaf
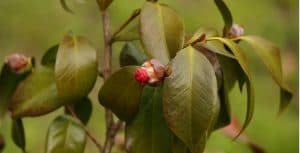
(226, 14)
(190, 98)
(18, 133)
(121, 93)
(242, 60)
(83, 110)
(162, 31)
(270, 55)
(75, 68)
(36, 95)
(148, 132)
(209, 32)
(103, 4)
(8, 84)
(49, 57)
(131, 55)
(65, 135)
(65, 6)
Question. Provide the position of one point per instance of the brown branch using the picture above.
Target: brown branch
(111, 127)
(87, 132)
(125, 24)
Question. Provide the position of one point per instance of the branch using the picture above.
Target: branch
(125, 24)
(92, 138)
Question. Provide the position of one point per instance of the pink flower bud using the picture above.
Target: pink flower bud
(155, 72)
(141, 76)
(236, 31)
(18, 63)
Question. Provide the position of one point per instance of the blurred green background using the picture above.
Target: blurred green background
(32, 26)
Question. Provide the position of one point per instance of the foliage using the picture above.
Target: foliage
(181, 101)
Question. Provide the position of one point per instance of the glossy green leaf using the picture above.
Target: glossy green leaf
(49, 57)
(162, 31)
(8, 84)
(103, 4)
(75, 68)
(242, 60)
(131, 55)
(226, 14)
(121, 93)
(83, 109)
(148, 132)
(270, 55)
(18, 134)
(190, 98)
(36, 95)
(65, 135)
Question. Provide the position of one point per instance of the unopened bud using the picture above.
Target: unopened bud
(236, 31)
(18, 63)
(152, 72)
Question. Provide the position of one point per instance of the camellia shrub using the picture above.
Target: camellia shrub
(170, 93)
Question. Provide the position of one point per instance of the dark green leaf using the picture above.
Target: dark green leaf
(18, 133)
(65, 6)
(103, 4)
(8, 83)
(83, 109)
(148, 132)
(49, 57)
(131, 55)
(242, 60)
(226, 14)
(270, 55)
(75, 68)
(162, 31)
(178, 146)
(190, 98)
(121, 93)
(36, 95)
(65, 135)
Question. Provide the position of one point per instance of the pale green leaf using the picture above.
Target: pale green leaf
(65, 135)
(190, 98)
(270, 55)
(121, 93)
(162, 31)
(75, 68)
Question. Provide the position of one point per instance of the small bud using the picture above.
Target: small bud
(18, 63)
(152, 72)
(236, 31)
(141, 76)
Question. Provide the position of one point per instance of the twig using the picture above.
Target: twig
(133, 16)
(92, 138)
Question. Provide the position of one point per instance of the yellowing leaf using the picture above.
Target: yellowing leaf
(75, 68)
